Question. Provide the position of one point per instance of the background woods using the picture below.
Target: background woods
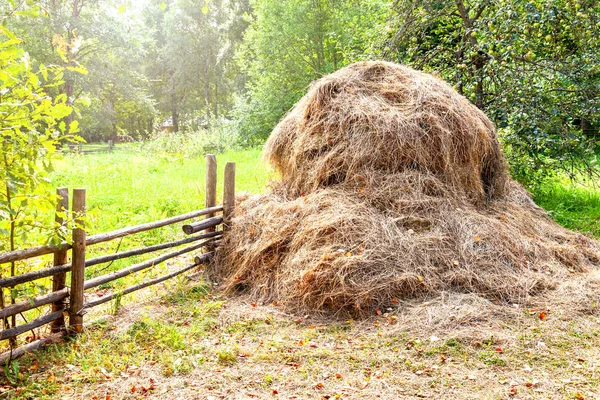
(184, 65)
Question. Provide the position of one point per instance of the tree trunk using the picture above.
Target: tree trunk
(175, 118)
(207, 90)
(478, 60)
(216, 98)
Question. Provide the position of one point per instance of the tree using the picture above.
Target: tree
(31, 126)
(288, 44)
(110, 43)
(533, 66)
(189, 59)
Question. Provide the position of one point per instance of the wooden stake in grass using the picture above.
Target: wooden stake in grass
(60, 257)
(211, 185)
(228, 194)
(78, 263)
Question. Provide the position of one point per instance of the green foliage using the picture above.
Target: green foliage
(189, 59)
(533, 66)
(31, 127)
(288, 44)
(12, 372)
(192, 144)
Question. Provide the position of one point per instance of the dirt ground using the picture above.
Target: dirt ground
(196, 344)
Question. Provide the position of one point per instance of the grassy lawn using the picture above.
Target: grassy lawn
(574, 206)
(183, 339)
(130, 187)
(126, 188)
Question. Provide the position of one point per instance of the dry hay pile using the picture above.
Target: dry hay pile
(393, 187)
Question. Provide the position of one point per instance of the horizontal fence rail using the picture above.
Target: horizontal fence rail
(200, 226)
(69, 300)
(92, 283)
(8, 333)
(35, 302)
(43, 273)
(19, 255)
(198, 260)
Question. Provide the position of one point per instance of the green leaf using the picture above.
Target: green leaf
(80, 69)
(8, 33)
(74, 127)
(122, 9)
(205, 10)
(27, 13)
(162, 6)
(85, 101)
(43, 71)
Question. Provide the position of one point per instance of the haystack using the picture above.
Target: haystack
(393, 187)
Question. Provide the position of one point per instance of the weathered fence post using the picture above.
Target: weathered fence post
(80, 148)
(60, 256)
(211, 185)
(77, 262)
(228, 194)
(111, 144)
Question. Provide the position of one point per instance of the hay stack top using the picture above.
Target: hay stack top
(380, 117)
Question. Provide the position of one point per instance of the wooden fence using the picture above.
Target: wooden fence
(109, 146)
(69, 301)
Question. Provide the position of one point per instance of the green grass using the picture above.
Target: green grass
(576, 207)
(130, 187)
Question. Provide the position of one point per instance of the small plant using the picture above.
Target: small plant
(116, 305)
(490, 357)
(12, 371)
(227, 356)
(452, 342)
(268, 380)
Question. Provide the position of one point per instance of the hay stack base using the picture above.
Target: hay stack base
(393, 187)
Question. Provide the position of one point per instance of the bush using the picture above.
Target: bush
(190, 144)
